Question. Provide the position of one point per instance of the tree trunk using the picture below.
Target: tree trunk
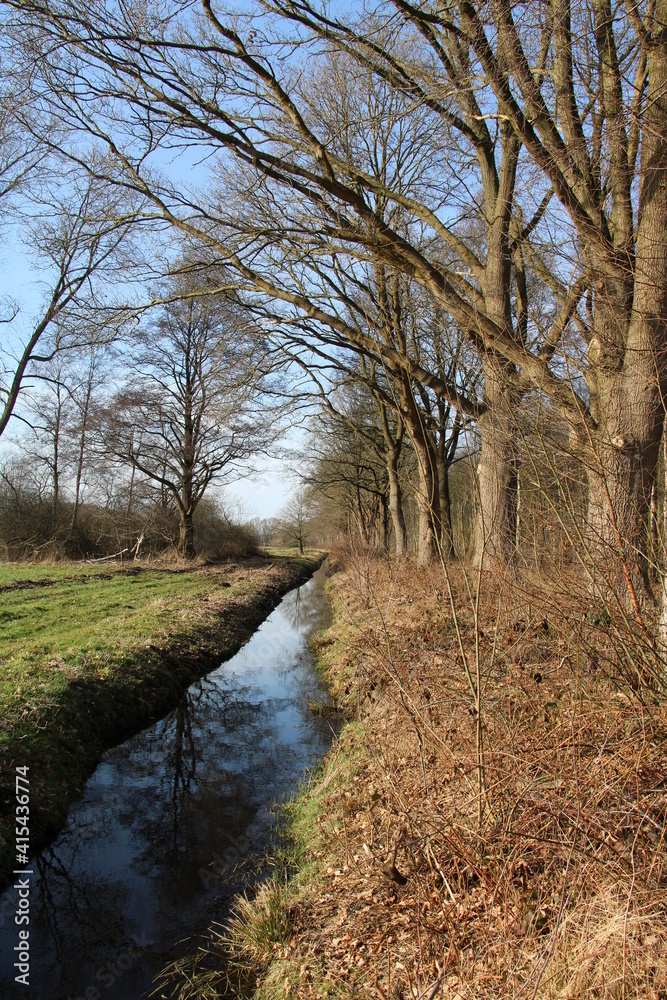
(384, 523)
(77, 483)
(361, 514)
(396, 504)
(427, 499)
(494, 536)
(186, 535)
(619, 491)
(445, 505)
(444, 447)
(393, 441)
(628, 376)
(55, 469)
(662, 623)
(426, 491)
(79, 464)
(130, 495)
(654, 542)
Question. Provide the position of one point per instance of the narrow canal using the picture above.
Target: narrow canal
(175, 820)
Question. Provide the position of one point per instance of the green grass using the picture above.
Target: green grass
(84, 623)
(90, 654)
(12, 572)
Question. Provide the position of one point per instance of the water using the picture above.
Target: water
(173, 822)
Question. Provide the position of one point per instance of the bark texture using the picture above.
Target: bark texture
(494, 536)
(628, 363)
(396, 506)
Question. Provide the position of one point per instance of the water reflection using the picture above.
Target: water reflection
(172, 821)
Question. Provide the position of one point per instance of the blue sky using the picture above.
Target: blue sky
(260, 494)
(263, 493)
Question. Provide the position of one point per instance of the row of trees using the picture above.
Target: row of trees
(355, 487)
(459, 212)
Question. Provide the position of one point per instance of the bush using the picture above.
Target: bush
(216, 537)
(31, 527)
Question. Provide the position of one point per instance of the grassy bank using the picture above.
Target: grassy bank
(90, 654)
(413, 880)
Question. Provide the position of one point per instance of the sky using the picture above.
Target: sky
(263, 493)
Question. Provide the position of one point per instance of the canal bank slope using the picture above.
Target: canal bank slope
(90, 655)
(393, 886)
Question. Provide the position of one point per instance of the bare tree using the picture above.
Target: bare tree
(186, 416)
(373, 212)
(48, 416)
(294, 520)
(83, 383)
(588, 149)
(349, 463)
(78, 235)
(595, 128)
(354, 397)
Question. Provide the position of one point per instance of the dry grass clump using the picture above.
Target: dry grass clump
(609, 945)
(260, 925)
(562, 890)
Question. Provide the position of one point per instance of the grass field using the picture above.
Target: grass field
(89, 654)
(58, 623)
